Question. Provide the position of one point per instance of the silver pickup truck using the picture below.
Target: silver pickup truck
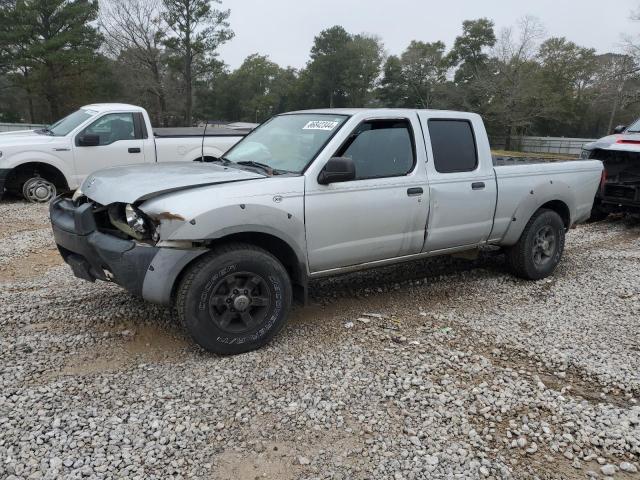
(309, 194)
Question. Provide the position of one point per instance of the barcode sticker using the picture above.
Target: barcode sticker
(320, 125)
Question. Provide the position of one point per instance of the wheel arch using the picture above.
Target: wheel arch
(561, 208)
(273, 244)
(279, 248)
(528, 209)
(45, 170)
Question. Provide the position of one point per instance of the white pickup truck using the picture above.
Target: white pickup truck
(40, 163)
(310, 194)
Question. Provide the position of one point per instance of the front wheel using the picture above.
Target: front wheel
(234, 299)
(39, 190)
(540, 246)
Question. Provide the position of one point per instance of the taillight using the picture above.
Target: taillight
(628, 142)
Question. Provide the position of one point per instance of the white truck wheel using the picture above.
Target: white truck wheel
(39, 190)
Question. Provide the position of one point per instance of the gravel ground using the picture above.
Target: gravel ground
(438, 369)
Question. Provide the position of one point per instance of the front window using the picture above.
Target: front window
(70, 122)
(287, 142)
(112, 128)
(635, 127)
(380, 148)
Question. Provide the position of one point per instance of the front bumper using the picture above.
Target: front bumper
(93, 255)
(620, 196)
(4, 174)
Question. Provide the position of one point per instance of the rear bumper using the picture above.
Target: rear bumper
(93, 255)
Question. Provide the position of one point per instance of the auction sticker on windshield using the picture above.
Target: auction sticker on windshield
(320, 125)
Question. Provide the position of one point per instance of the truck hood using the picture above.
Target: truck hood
(629, 142)
(27, 138)
(135, 183)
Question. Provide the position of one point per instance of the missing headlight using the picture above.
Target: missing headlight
(135, 220)
(128, 219)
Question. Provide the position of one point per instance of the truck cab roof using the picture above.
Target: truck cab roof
(385, 111)
(108, 107)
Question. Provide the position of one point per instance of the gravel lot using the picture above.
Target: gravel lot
(440, 369)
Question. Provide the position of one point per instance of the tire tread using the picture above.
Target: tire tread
(201, 263)
(517, 255)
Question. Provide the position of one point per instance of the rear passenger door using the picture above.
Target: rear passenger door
(462, 188)
(379, 215)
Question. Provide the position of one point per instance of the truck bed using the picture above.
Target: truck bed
(574, 182)
(499, 160)
(184, 132)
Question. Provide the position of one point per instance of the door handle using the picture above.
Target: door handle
(134, 150)
(477, 185)
(415, 191)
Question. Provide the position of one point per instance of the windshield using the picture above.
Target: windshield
(287, 142)
(68, 123)
(634, 127)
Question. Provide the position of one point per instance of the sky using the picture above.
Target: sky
(284, 29)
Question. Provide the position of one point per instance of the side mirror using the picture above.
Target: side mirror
(337, 169)
(88, 140)
(620, 129)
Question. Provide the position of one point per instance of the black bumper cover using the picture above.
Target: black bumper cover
(93, 255)
(4, 174)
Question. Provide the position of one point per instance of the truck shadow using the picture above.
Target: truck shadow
(394, 277)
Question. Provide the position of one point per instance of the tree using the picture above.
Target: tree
(423, 69)
(6, 47)
(415, 79)
(258, 89)
(567, 73)
(470, 58)
(49, 43)
(134, 31)
(469, 49)
(343, 68)
(512, 83)
(631, 43)
(328, 66)
(197, 30)
(364, 55)
(615, 94)
(393, 90)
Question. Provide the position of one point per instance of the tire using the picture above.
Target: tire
(38, 190)
(234, 299)
(540, 247)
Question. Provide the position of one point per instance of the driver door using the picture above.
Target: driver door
(379, 215)
(120, 142)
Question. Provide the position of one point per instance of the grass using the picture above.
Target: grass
(554, 156)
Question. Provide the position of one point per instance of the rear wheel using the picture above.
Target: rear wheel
(234, 299)
(39, 190)
(540, 246)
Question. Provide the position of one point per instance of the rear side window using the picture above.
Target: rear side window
(380, 148)
(454, 146)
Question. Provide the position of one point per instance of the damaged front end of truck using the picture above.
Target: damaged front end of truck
(620, 186)
(104, 233)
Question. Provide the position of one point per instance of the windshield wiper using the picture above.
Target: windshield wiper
(46, 131)
(263, 166)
